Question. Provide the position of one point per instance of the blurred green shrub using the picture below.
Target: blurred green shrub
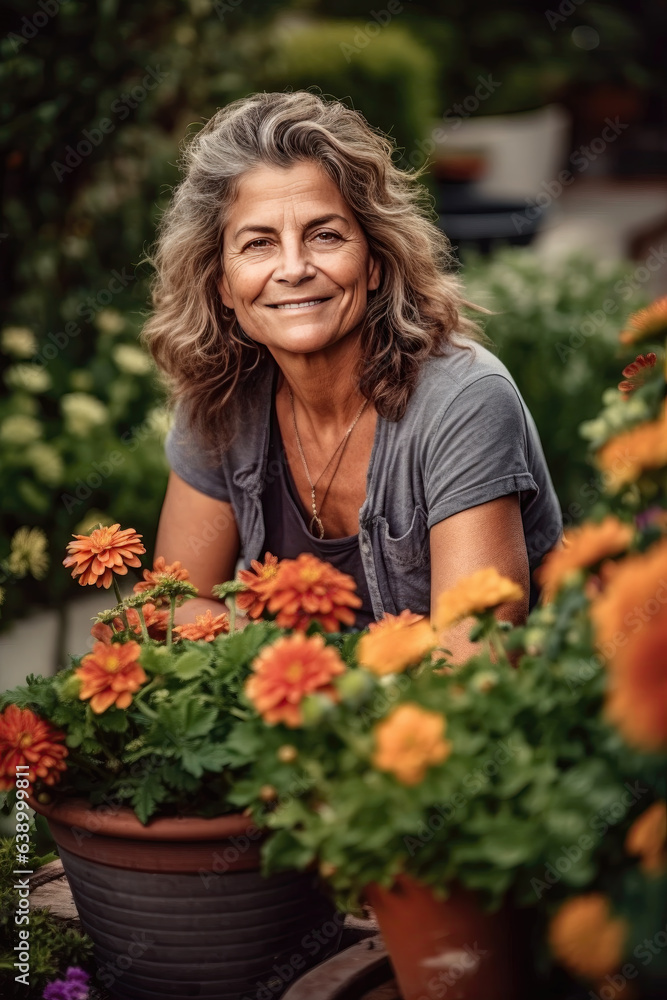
(556, 327)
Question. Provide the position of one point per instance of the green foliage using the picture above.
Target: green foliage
(53, 946)
(561, 346)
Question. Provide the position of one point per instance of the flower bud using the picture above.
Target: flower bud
(267, 793)
(287, 754)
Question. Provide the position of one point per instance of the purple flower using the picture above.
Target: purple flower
(73, 987)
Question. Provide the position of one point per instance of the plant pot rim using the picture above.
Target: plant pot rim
(121, 822)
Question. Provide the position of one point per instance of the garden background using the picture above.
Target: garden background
(543, 133)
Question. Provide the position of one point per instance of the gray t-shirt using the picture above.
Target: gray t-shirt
(466, 438)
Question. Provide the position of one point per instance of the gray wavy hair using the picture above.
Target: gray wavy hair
(210, 363)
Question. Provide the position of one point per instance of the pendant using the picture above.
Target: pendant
(320, 527)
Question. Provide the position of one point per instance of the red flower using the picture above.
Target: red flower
(27, 739)
(96, 557)
(635, 373)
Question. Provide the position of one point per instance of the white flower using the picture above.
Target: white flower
(30, 378)
(20, 430)
(159, 421)
(83, 412)
(18, 341)
(131, 359)
(110, 321)
(46, 463)
(81, 380)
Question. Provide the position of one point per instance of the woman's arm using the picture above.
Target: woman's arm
(490, 534)
(201, 532)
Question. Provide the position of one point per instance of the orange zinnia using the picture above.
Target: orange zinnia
(474, 594)
(285, 672)
(637, 696)
(647, 837)
(160, 572)
(646, 323)
(635, 589)
(585, 938)
(259, 581)
(204, 627)
(155, 618)
(625, 457)
(107, 550)
(27, 739)
(409, 741)
(584, 546)
(395, 643)
(306, 589)
(110, 675)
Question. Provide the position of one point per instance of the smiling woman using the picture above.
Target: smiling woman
(331, 396)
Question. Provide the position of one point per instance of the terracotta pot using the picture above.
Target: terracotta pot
(447, 948)
(178, 908)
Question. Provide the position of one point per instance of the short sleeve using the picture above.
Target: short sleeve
(479, 451)
(191, 461)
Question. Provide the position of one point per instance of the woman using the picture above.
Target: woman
(331, 396)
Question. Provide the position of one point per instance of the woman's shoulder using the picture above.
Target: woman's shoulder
(442, 378)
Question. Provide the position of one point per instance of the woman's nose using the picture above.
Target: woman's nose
(294, 263)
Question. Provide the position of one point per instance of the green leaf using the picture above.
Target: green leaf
(283, 850)
(191, 663)
(208, 758)
(146, 798)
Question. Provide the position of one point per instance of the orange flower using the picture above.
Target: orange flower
(155, 618)
(160, 573)
(634, 591)
(110, 675)
(405, 618)
(285, 672)
(635, 374)
(103, 633)
(107, 550)
(306, 589)
(259, 580)
(27, 739)
(481, 591)
(395, 643)
(584, 546)
(204, 627)
(585, 938)
(637, 695)
(646, 323)
(625, 457)
(409, 741)
(647, 837)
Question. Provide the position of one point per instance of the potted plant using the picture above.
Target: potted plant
(125, 753)
(531, 780)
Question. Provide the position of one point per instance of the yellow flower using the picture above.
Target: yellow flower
(481, 591)
(409, 741)
(646, 323)
(624, 457)
(395, 643)
(585, 938)
(583, 547)
(631, 590)
(18, 341)
(647, 837)
(28, 553)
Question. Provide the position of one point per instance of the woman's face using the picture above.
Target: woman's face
(296, 264)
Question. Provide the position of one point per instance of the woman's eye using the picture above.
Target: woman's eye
(257, 244)
(327, 237)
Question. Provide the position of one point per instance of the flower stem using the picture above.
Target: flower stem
(231, 607)
(496, 647)
(123, 613)
(142, 622)
(170, 626)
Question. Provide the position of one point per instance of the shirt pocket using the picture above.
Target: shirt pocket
(404, 568)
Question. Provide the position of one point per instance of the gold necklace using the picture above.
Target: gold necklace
(315, 521)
